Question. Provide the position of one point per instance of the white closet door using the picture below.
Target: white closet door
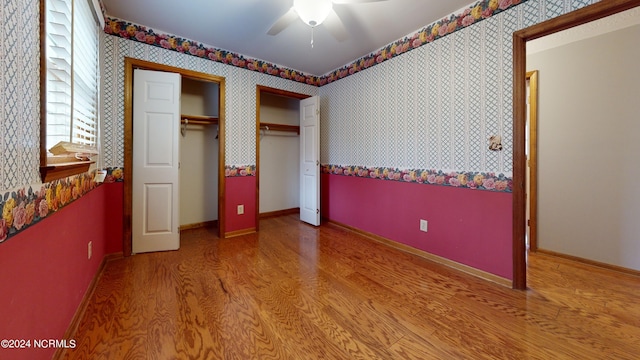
(310, 160)
(156, 125)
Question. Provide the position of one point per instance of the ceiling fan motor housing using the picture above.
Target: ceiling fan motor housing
(313, 12)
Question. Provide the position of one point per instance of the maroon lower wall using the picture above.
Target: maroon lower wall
(471, 227)
(45, 270)
(240, 190)
(114, 206)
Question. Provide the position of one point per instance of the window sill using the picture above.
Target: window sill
(52, 172)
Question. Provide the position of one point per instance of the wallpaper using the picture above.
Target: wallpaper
(468, 180)
(240, 101)
(433, 106)
(27, 206)
(426, 111)
(429, 108)
(20, 93)
(436, 106)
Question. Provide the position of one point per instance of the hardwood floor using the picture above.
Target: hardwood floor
(297, 292)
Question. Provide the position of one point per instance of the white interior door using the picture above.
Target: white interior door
(156, 125)
(310, 160)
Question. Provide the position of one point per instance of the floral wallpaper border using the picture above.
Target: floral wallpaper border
(27, 206)
(477, 12)
(239, 170)
(140, 33)
(469, 180)
(114, 174)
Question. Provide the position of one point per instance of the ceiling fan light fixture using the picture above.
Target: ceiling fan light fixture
(313, 12)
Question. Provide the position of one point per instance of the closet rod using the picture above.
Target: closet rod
(280, 127)
(198, 120)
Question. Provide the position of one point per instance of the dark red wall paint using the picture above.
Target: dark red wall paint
(114, 195)
(44, 270)
(471, 227)
(240, 190)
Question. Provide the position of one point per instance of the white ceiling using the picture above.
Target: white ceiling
(240, 26)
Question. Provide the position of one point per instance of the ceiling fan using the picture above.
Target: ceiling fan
(314, 13)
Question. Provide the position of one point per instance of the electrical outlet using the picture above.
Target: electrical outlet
(240, 209)
(89, 250)
(423, 225)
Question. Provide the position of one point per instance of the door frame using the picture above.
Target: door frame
(129, 65)
(532, 77)
(260, 89)
(578, 17)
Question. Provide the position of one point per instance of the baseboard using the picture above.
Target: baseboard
(589, 262)
(77, 317)
(207, 224)
(428, 256)
(284, 212)
(240, 232)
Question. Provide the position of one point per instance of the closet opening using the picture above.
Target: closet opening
(199, 143)
(202, 109)
(277, 152)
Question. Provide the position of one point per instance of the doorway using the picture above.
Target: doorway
(130, 65)
(277, 148)
(584, 15)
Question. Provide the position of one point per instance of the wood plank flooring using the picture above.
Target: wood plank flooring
(297, 292)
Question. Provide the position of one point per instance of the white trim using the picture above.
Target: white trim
(97, 11)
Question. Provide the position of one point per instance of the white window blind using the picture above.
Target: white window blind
(72, 72)
(85, 71)
(58, 84)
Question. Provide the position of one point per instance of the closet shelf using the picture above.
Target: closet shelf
(198, 120)
(280, 127)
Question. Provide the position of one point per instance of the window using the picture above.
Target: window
(71, 77)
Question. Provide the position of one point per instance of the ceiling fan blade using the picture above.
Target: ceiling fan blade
(285, 20)
(336, 27)
(355, 1)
